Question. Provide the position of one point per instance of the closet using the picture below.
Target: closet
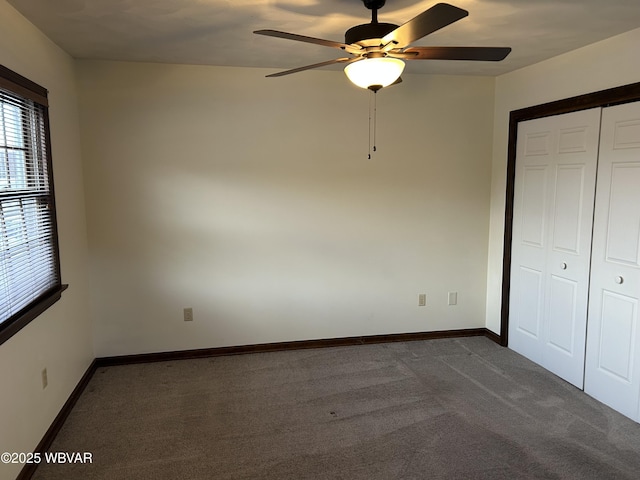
(575, 250)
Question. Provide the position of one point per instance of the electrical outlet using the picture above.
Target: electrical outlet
(45, 380)
(422, 300)
(188, 314)
(453, 298)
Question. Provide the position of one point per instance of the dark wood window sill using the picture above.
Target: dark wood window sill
(9, 328)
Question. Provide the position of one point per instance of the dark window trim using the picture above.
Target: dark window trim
(15, 82)
(604, 98)
(20, 85)
(30, 312)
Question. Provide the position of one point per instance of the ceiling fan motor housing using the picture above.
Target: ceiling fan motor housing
(367, 31)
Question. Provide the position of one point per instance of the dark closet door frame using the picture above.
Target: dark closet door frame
(603, 98)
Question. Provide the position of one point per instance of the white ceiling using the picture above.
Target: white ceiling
(219, 32)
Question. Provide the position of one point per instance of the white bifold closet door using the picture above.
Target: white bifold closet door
(613, 358)
(556, 163)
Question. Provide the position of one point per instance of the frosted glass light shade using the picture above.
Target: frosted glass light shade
(381, 71)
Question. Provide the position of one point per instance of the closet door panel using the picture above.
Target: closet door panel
(567, 220)
(533, 207)
(613, 362)
(569, 252)
(562, 315)
(617, 329)
(533, 185)
(529, 295)
(564, 308)
(623, 231)
(553, 203)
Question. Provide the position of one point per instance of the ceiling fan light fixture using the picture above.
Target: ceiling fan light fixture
(374, 72)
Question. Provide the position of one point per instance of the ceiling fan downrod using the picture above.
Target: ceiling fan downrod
(374, 6)
(372, 30)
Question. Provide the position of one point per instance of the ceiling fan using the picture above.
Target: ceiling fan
(378, 49)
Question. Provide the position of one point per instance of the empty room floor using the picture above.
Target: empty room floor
(461, 408)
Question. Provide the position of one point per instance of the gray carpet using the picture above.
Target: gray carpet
(439, 409)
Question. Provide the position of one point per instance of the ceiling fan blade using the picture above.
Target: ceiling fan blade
(315, 65)
(438, 16)
(487, 54)
(302, 38)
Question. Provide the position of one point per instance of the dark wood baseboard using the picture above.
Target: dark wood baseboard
(29, 469)
(493, 336)
(27, 472)
(296, 345)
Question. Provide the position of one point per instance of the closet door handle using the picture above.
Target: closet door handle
(563, 265)
(619, 280)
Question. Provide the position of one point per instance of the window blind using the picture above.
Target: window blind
(28, 247)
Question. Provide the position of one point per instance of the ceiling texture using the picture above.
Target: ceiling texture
(219, 32)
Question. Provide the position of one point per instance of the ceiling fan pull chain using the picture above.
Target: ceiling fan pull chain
(375, 117)
(372, 108)
(369, 156)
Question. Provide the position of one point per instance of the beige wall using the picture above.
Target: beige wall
(607, 64)
(252, 201)
(60, 339)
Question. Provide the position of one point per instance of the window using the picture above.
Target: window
(29, 259)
